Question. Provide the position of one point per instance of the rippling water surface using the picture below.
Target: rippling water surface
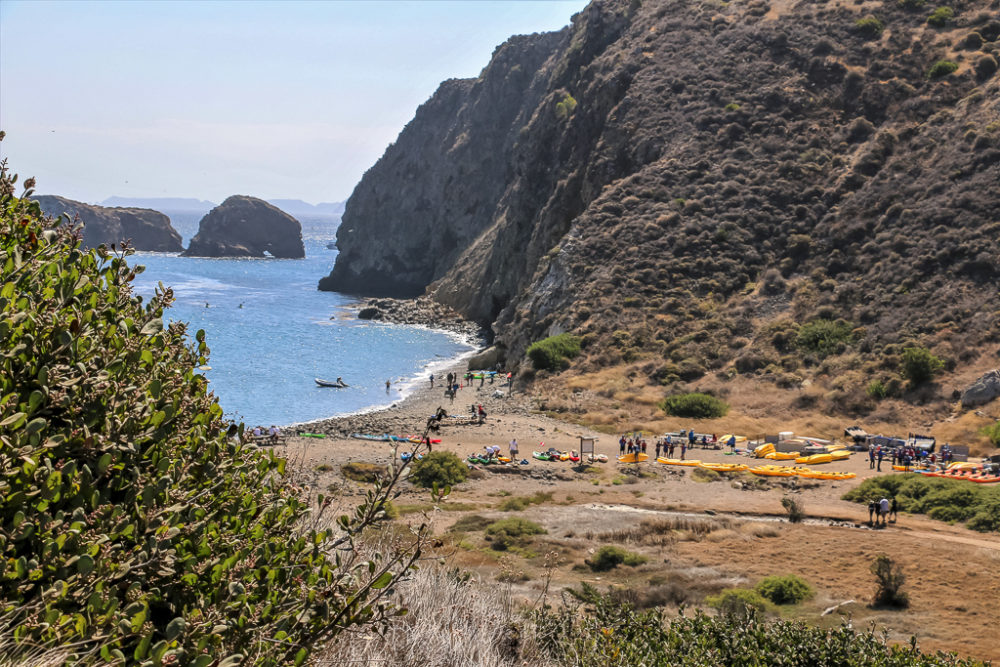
(271, 332)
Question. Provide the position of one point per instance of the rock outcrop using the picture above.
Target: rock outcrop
(144, 228)
(982, 391)
(247, 227)
(639, 176)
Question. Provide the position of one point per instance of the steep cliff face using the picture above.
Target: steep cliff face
(247, 227)
(672, 181)
(145, 228)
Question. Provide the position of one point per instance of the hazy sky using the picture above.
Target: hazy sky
(209, 99)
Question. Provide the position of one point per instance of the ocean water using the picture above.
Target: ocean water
(271, 332)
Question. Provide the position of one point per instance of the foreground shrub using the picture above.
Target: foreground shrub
(793, 508)
(694, 406)
(889, 580)
(784, 589)
(135, 525)
(609, 632)
(609, 557)
(439, 468)
(919, 365)
(554, 352)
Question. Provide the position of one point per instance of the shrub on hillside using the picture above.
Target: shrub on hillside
(694, 406)
(738, 602)
(554, 352)
(784, 589)
(609, 557)
(135, 524)
(941, 68)
(986, 67)
(824, 337)
(919, 365)
(439, 468)
(939, 17)
(869, 27)
(992, 432)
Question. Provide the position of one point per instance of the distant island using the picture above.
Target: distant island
(146, 229)
(245, 226)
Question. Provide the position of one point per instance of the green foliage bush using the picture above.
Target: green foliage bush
(869, 26)
(609, 557)
(694, 405)
(565, 107)
(992, 432)
(738, 602)
(439, 468)
(554, 352)
(939, 17)
(889, 580)
(793, 508)
(919, 365)
(135, 524)
(824, 337)
(949, 500)
(606, 631)
(877, 390)
(784, 589)
(505, 533)
(941, 68)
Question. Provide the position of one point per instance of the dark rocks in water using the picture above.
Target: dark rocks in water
(369, 313)
(144, 228)
(247, 227)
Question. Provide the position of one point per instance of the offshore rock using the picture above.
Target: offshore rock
(144, 228)
(247, 227)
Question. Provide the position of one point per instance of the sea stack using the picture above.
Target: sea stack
(144, 228)
(247, 227)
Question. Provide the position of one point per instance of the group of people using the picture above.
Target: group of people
(907, 455)
(633, 444)
(269, 436)
(879, 511)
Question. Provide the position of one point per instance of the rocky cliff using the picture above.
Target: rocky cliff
(144, 228)
(247, 227)
(690, 184)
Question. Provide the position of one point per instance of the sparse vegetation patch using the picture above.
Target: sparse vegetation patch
(694, 406)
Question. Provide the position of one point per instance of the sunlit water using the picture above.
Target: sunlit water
(271, 332)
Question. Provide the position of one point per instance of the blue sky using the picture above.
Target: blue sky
(209, 99)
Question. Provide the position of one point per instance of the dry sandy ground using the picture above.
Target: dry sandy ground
(950, 570)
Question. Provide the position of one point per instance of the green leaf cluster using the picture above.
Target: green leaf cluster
(136, 526)
(784, 589)
(824, 337)
(952, 500)
(607, 632)
(919, 365)
(554, 352)
(694, 406)
(609, 557)
(439, 468)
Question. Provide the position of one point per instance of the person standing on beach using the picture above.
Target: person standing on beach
(878, 456)
(388, 384)
(683, 449)
(871, 512)
(883, 510)
(432, 380)
(513, 449)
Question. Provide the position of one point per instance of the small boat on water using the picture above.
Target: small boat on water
(339, 384)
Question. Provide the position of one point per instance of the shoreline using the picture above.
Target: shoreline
(414, 390)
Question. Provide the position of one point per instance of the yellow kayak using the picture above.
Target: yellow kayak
(724, 467)
(962, 465)
(773, 471)
(633, 458)
(841, 455)
(837, 448)
(724, 440)
(782, 456)
(815, 459)
(678, 462)
(763, 450)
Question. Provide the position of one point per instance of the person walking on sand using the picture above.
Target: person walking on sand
(871, 457)
(883, 510)
(871, 512)
(878, 456)
(894, 510)
(621, 446)
(513, 449)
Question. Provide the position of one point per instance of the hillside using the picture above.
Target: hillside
(698, 189)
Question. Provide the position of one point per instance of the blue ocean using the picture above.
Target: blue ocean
(271, 332)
